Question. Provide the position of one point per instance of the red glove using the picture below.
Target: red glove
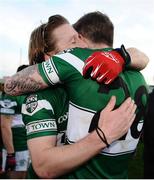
(106, 66)
(10, 162)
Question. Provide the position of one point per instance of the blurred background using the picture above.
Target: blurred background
(133, 21)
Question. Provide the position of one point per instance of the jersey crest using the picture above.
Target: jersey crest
(31, 103)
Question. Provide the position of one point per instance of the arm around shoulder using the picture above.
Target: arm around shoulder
(139, 60)
(27, 80)
(55, 161)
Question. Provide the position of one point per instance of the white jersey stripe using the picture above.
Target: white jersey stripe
(82, 108)
(41, 104)
(73, 60)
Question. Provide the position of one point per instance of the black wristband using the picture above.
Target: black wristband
(123, 52)
(103, 138)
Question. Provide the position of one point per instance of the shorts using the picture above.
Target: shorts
(22, 160)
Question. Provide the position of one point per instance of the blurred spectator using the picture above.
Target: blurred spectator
(16, 155)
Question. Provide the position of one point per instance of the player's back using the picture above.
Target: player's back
(86, 98)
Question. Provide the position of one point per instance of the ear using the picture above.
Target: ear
(83, 42)
(46, 57)
(80, 36)
(49, 55)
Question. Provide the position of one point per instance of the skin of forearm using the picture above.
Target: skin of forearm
(57, 161)
(7, 135)
(139, 60)
(8, 141)
(27, 80)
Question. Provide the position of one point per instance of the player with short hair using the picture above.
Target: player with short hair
(15, 154)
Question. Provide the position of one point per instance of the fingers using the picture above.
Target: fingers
(111, 104)
(111, 76)
(87, 72)
(108, 81)
(132, 114)
(125, 105)
(103, 76)
(88, 67)
(132, 120)
(95, 72)
(128, 108)
(97, 69)
(103, 70)
(132, 108)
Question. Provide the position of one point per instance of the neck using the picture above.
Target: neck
(97, 46)
(92, 45)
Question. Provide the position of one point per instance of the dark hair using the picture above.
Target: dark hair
(42, 40)
(97, 27)
(22, 67)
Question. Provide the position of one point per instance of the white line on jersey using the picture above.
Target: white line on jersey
(73, 60)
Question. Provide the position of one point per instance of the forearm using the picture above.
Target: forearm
(7, 138)
(8, 142)
(50, 161)
(60, 160)
(27, 80)
(139, 60)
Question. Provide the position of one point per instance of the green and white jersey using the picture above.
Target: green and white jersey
(10, 106)
(45, 113)
(86, 98)
(7, 105)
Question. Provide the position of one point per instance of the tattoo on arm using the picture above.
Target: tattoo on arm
(27, 80)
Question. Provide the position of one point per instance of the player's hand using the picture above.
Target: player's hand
(106, 66)
(116, 122)
(10, 162)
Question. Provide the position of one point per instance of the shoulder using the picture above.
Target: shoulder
(75, 52)
(8, 101)
(48, 94)
(42, 101)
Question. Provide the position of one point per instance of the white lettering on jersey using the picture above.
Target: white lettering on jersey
(79, 121)
(39, 126)
(51, 72)
(125, 146)
(110, 56)
(7, 103)
(63, 118)
(7, 111)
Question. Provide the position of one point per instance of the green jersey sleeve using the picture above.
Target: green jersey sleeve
(8, 105)
(61, 68)
(38, 116)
